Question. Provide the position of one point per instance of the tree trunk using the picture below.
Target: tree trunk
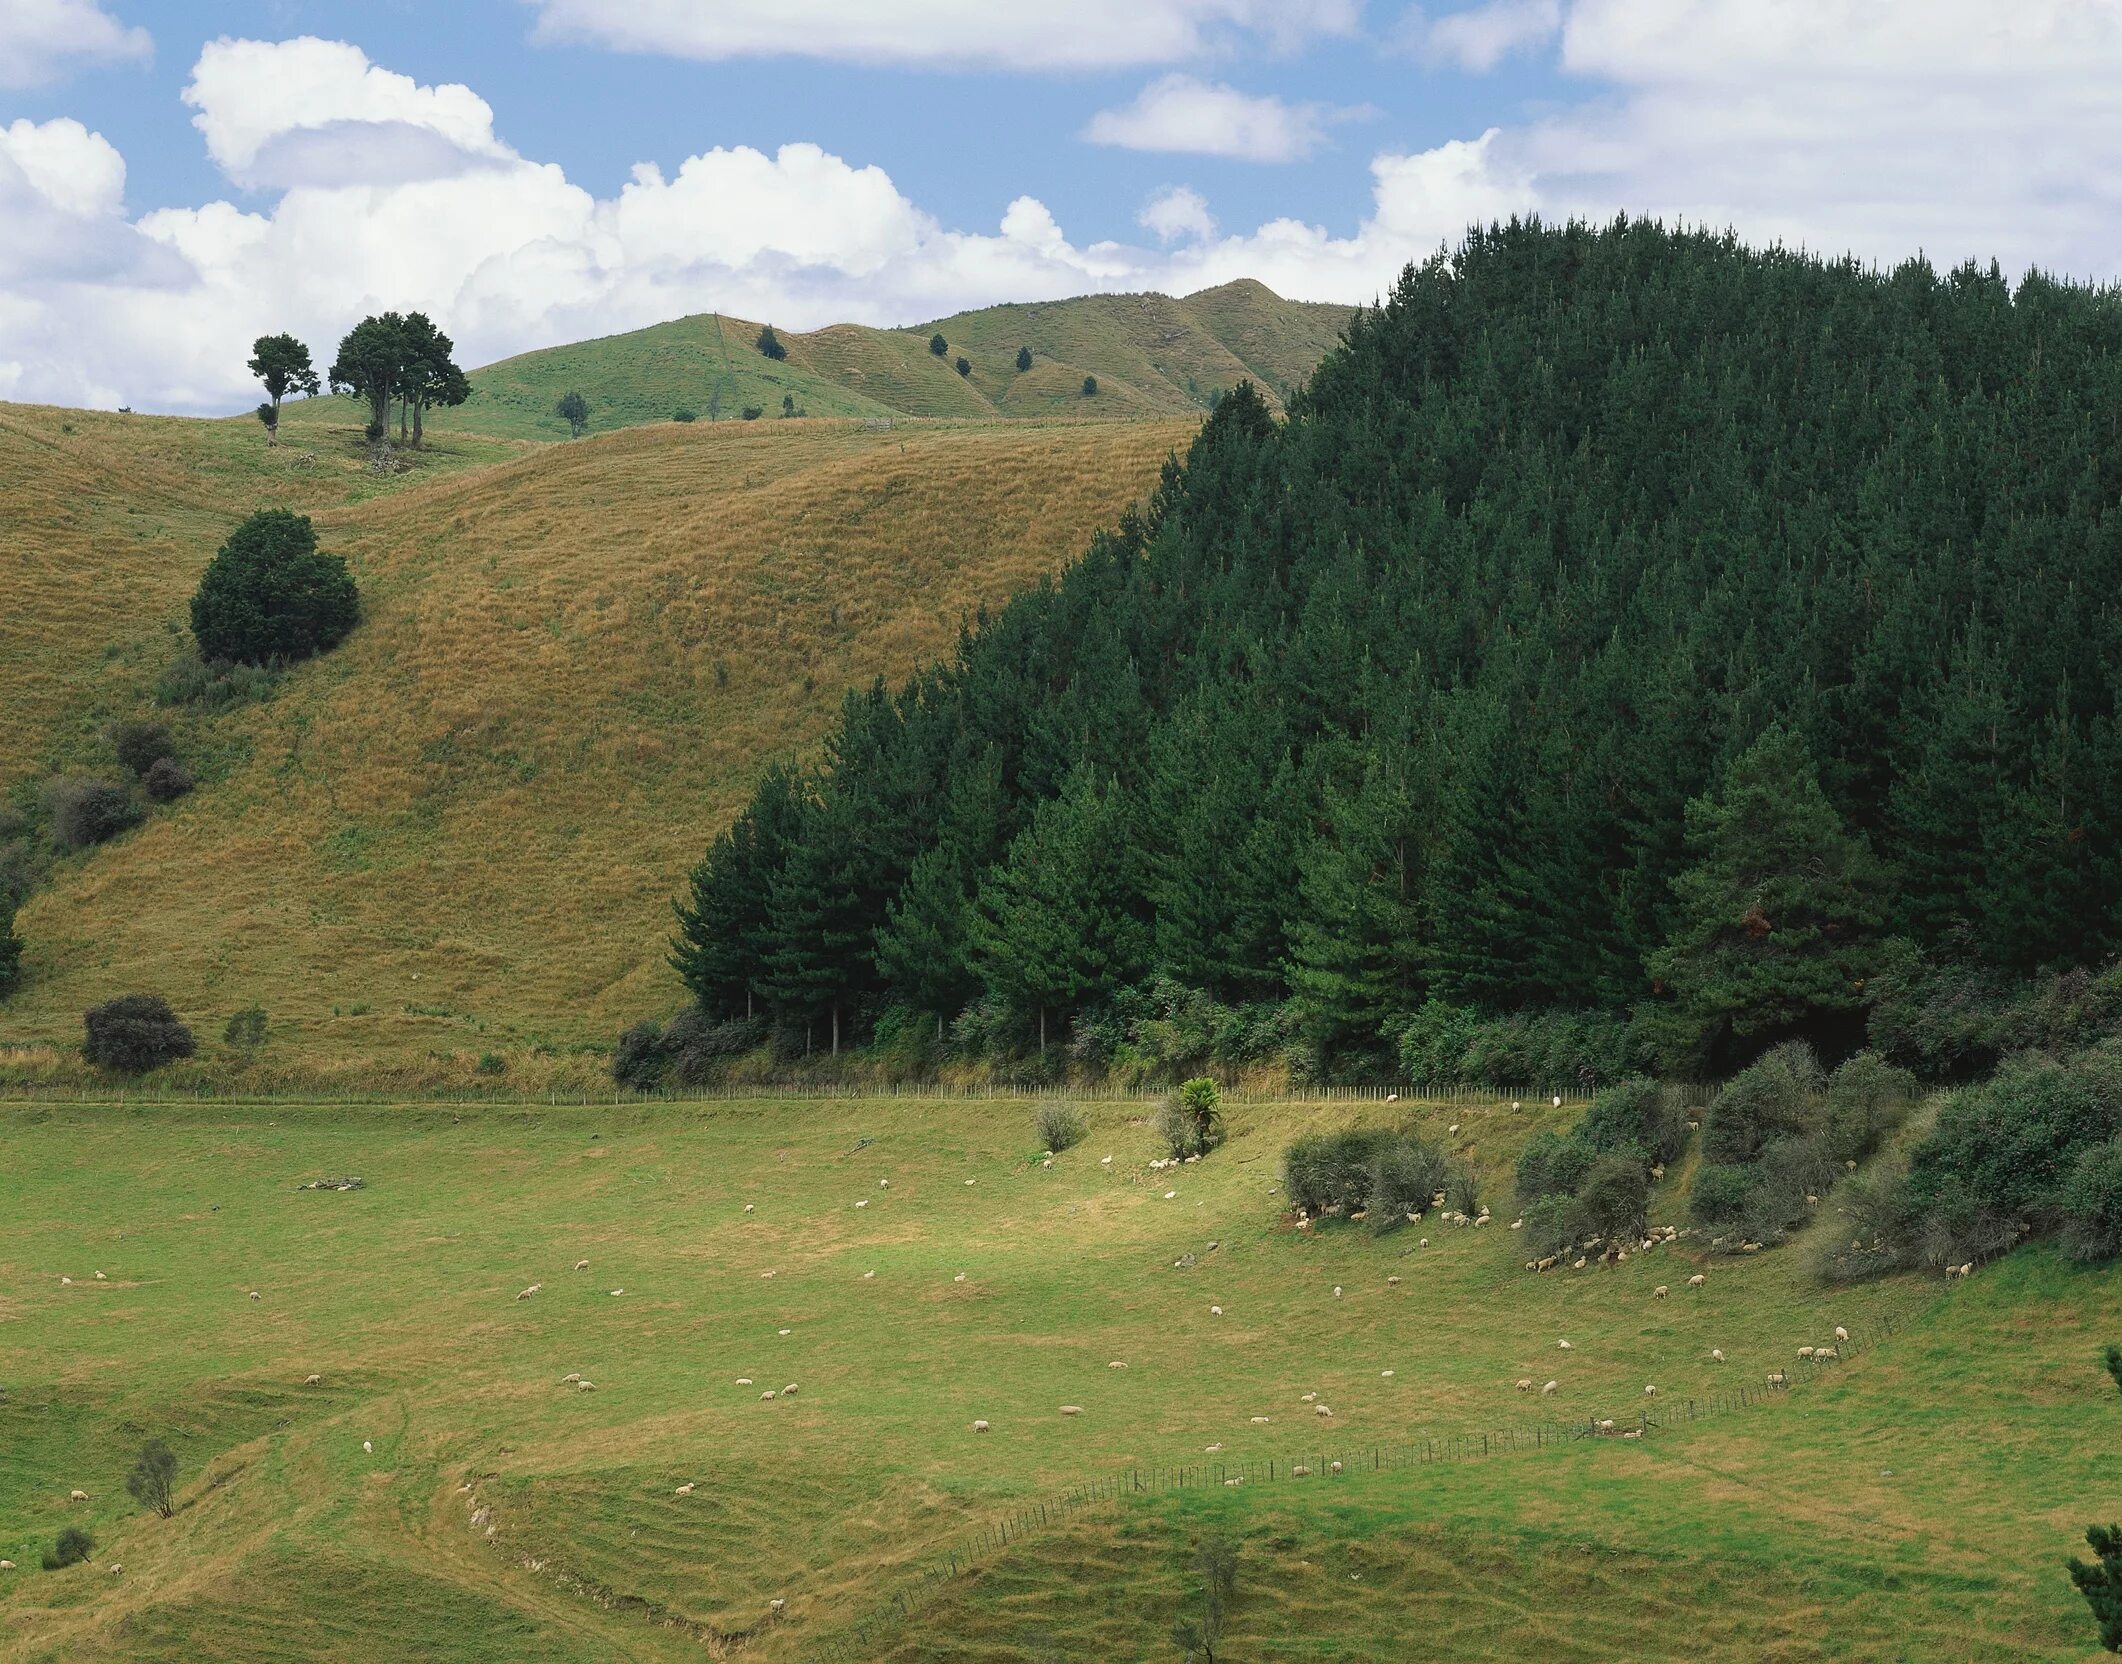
(272, 428)
(836, 1028)
(419, 410)
(1042, 1031)
(404, 408)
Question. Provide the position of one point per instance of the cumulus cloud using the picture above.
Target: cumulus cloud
(1177, 211)
(1201, 118)
(39, 39)
(1017, 34)
(1484, 36)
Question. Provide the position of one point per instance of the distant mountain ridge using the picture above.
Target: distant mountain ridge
(1151, 355)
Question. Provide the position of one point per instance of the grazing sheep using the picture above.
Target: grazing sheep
(1659, 1292)
(1716, 1354)
(863, 1203)
(582, 1265)
(959, 1278)
(1697, 1280)
(970, 1181)
(767, 1396)
(585, 1386)
(747, 1207)
(1211, 1449)
(1232, 1484)
(527, 1293)
(1525, 1383)
(1564, 1346)
(1393, 1281)
(1333, 1467)
(1550, 1389)
(367, 1448)
(101, 1278)
(1454, 1127)
(978, 1426)
(685, 1489)
(574, 1378)
(68, 1282)
(1805, 1351)
(617, 1292)
(1517, 1224)
(1072, 1409)
(1321, 1410)
(1579, 1266)
(1337, 1291)
(789, 1391)
(1105, 1161)
(1309, 1398)
(7, 1565)
(777, 1605)
(1116, 1364)
(1215, 1311)
(1385, 1374)
(1392, 1097)
(1841, 1333)
(1300, 1471)
(313, 1380)
(765, 1274)
(255, 1295)
(867, 1275)
(1170, 1194)
(1259, 1421)
(78, 1496)
(1650, 1392)
(1824, 1353)
(1776, 1378)
(744, 1381)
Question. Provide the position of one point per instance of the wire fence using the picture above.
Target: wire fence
(1327, 1464)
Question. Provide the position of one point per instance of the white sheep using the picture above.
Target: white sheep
(1824, 1353)
(863, 1203)
(1776, 1378)
(585, 1386)
(1697, 1280)
(1337, 1291)
(313, 1380)
(1259, 1421)
(255, 1295)
(744, 1381)
(1385, 1374)
(1333, 1467)
(1393, 1281)
(1309, 1398)
(789, 1391)
(765, 1274)
(1211, 1449)
(1716, 1354)
(66, 1282)
(101, 1278)
(1300, 1471)
(685, 1489)
(1116, 1364)
(574, 1378)
(582, 1265)
(867, 1275)
(1841, 1333)
(1072, 1409)
(617, 1292)
(767, 1397)
(1659, 1292)
(1215, 1311)
(367, 1448)
(979, 1426)
(1321, 1410)
(1525, 1383)
(78, 1496)
(1805, 1351)
(527, 1293)
(1550, 1389)
(7, 1565)
(959, 1278)
(1650, 1391)
(1564, 1346)
(747, 1207)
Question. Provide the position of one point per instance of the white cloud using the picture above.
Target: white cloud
(1201, 118)
(39, 37)
(1177, 211)
(1000, 34)
(1483, 37)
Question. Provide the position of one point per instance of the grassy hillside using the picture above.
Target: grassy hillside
(1914, 1501)
(1152, 355)
(460, 831)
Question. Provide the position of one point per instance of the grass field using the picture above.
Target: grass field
(459, 832)
(1913, 1502)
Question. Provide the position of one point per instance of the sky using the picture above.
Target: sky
(178, 177)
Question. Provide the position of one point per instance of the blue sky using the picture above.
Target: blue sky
(178, 177)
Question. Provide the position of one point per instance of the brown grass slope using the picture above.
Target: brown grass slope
(461, 830)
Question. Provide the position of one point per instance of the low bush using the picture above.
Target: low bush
(71, 1548)
(638, 1061)
(1390, 1174)
(141, 745)
(166, 780)
(686, 1051)
(1722, 1193)
(1614, 1200)
(1951, 1018)
(1867, 1098)
(1444, 1046)
(683, 415)
(1772, 1098)
(10, 950)
(245, 1028)
(1061, 1126)
(1636, 1114)
(1552, 1165)
(133, 1034)
(84, 813)
(2091, 1204)
(1332, 1169)
(270, 596)
(2009, 1142)
(214, 686)
(1405, 1176)
(490, 1064)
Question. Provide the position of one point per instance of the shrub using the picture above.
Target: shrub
(1331, 1170)
(2007, 1144)
(270, 595)
(10, 950)
(85, 813)
(964, 366)
(1024, 359)
(770, 344)
(141, 745)
(1443, 1045)
(2091, 1203)
(1721, 1193)
(1552, 1165)
(1405, 1174)
(1061, 1126)
(191, 680)
(1202, 1100)
(937, 345)
(167, 780)
(72, 1547)
(1771, 1098)
(2100, 1581)
(21, 866)
(133, 1034)
(697, 1043)
(490, 1063)
(1174, 1128)
(752, 412)
(1614, 1200)
(1090, 387)
(1636, 1113)
(2112, 1358)
(681, 414)
(1550, 1224)
(573, 409)
(639, 1061)
(153, 1473)
(246, 1028)
(1867, 1098)
(1884, 1227)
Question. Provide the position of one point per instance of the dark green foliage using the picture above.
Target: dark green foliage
(2100, 1582)
(1331, 1170)
(1953, 1017)
(1614, 1199)
(681, 414)
(1024, 359)
(1623, 622)
(246, 1028)
(10, 949)
(1090, 386)
(1201, 1101)
(191, 680)
(166, 780)
(1552, 1165)
(1771, 1099)
(937, 345)
(1061, 1126)
(573, 409)
(141, 745)
(1391, 1174)
(964, 366)
(153, 1473)
(686, 1051)
(1636, 1114)
(2091, 1204)
(134, 1033)
(639, 1061)
(752, 412)
(1867, 1098)
(770, 345)
(490, 1065)
(282, 363)
(2112, 1358)
(270, 595)
(84, 813)
(1723, 1194)
(1405, 1176)
(72, 1546)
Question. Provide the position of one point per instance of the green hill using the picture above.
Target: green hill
(1152, 355)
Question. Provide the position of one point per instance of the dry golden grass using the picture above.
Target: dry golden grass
(461, 831)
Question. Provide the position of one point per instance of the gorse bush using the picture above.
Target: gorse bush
(1952, 1017)
(2091, 1204)
(166, 780)
(1552, 1165)
(1636, 1114)
(1327, 1171)
(85, 813)
(689, 1050)
(1388, 1174)
(1596, 1180)
(1405, 1176)
(245, 1028)
(10, 949)
(141, 745)
(71, 1548)
(133, 1034)
(1772, 1098)
(1061, 1126)
(269, 594)
(191, 680)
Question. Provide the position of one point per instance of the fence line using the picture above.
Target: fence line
(997, 1535)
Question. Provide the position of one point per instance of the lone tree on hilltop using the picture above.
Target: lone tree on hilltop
(282, 363)
(1024, 358)
(770, 344)
(269, 594)
(573, 409)
(374, 362)
(152, 1476)
(937, 345)
(431, 377)
(133, 1034)
(2100, 1582)
(1090, 387)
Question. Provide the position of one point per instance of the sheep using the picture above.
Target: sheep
(1454, 1127)
(255, 1295)
(1579, 1266)
(1116, 1364)
(1170, 1195)
(970, 1182)
(884, 1184)
(1337, 1291)
(1805, 1351)
(1259, 1421)
(1776, 1378)
(1393, 1281)
(617, 1292)
(101, 1278)
(747, 1207)
(767, 1397)
(1550, 1389)
(868, 1275)
(1385, 1374)
(1659, 1292)
(1650, 1391)
(1841, 1333)
(1525, 1383)
(1232, 1484)
(777, 1604)
(1215, 1311)
(959, 1278)
(789, 1391)
(78, 1496)
(1210, 1450)
(979, 1426)
(585, 1386)
(1072, 1409)
(313, 1380)
(368, 1447)
(1105, 1161)
(7, 1565)
(1564, 1346)
(527, 1293)
(1323, 1411)
(744, 1381)
(1392, 1097)
(574, 1378)
(685, 1489)
(1697, 1280)
(66, 1282)
(582, 1265)
(1481, 1220)
(1333, 1467)
(863, 1203)
(1300, 1471)
(1309, 1398)
(1517, 1224)
(764, 1275)
(1716, 1354)
(1826, 1353)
